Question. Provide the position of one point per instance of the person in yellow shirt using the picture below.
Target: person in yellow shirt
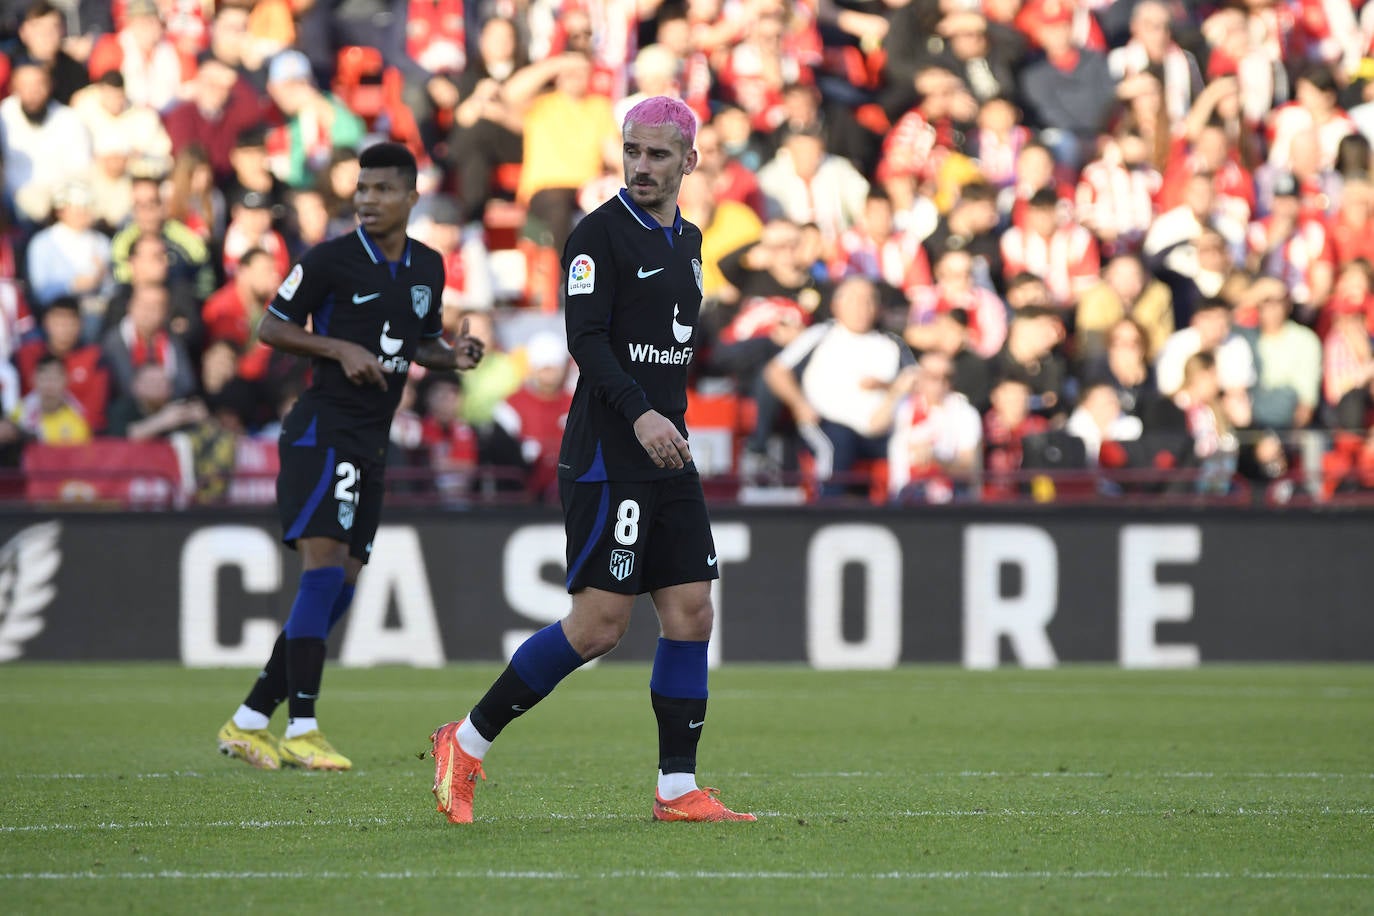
(49, 414)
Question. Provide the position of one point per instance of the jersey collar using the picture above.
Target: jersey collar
(374, 251)
(644, 219)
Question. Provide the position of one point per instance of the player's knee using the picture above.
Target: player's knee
(602, 638)
(692, 621)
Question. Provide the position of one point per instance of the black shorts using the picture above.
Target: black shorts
(632, 538)
(324, 494)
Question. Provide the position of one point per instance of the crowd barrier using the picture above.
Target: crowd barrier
(977, 586)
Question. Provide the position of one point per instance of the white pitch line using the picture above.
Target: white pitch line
(635, 874)
(817, 816)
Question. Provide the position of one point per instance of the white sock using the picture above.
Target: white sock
(675, 785)
(250, 719)
(297, 727)
(471, 740)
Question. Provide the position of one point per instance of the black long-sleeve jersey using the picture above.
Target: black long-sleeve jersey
(349, 290)
(633, 298)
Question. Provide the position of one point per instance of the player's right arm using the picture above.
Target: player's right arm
(283, 325)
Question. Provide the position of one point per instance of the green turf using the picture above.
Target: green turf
(1094, 790)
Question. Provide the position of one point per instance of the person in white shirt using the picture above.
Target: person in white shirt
(1210, 331)
(43, 143)
(70, 258)
(1098, 418)
(935, 437)
(807, 185)
(836, 378)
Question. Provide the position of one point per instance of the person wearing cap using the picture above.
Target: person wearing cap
(1293, 247)
(316, 122)
(1070, 92)
(220, 105)
(1288, 358)
(250, 226)
(70, 258)
(42, 142)
(535, 415)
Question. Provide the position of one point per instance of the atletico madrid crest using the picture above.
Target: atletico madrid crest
(419, 300)
(346, 515)
(622, 564)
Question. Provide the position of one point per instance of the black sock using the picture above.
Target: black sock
(680, 722)
(507, 699)
(270, 688)
(304, 671)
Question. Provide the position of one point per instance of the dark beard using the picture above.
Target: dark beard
(36, 118)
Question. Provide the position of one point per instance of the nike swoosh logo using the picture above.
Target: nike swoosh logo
(696, 724)
(518, 708)
(644, 274)
(307, 696)
(711, 560)
(359, 300)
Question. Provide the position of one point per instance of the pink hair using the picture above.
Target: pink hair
(658, 110)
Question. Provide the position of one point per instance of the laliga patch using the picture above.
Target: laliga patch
(291, 283)
(581, 275)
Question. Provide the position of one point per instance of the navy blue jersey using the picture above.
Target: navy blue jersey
(349, 290)
(633, 298)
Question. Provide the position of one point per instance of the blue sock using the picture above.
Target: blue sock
(311, 612)
(677, 690)
(679, 669)
(341, 604)
(545, 659)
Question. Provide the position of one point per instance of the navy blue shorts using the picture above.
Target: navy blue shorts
(323, 494)
(637, 537)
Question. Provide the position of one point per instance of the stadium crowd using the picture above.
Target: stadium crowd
(946, 243)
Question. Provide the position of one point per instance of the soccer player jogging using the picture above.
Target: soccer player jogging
(632, 501)
(373, 299)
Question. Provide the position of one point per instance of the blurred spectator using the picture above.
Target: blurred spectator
(150, 265)
(875, 249)
(219, 106)
(233, 313)
(731, 180)
(971, 226)
(1064, 255)
(192, 197)
(998, 140)
(1100, 418)
(152, 67)
(1069, 92)
(50, 414)
(1152, 49)
(805, 184)
(1172, 246)
(232, 43)
(468, 276)
(309, 221)
(1005, 427)
(804, 109)
(86, 377)
(496, 378)
(43, 143)
(1195, 411)
(1293, 248)
(1029, 355)
(835, 378)
(142, 338)
(535, 415)
(1125, 366)
(1318, 186)
(1209, 332)
(1354, 293)
(1034, 171)
(452, 443)
(986, 69)
(954, 288)
(726, 226)
(336, 184)
(486, 132)
(920, 141)
(1115, 198)
(1352, 228)
(316, 122)
(773, 54)
(1208, 147)
(188, 256)
(1126, 290)
(1289, 361)
(118, 128)
(233, 402)
(252, 169)
(936, 435)
(250, 226)
(948, 335)
(569, 134)
(70, 258)
(1347, 368)
(40, 38)
(148, 410)
(1314, 112)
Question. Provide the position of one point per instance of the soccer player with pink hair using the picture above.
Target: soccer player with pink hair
(632, 500)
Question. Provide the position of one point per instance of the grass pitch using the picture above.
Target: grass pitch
(1229, 789)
